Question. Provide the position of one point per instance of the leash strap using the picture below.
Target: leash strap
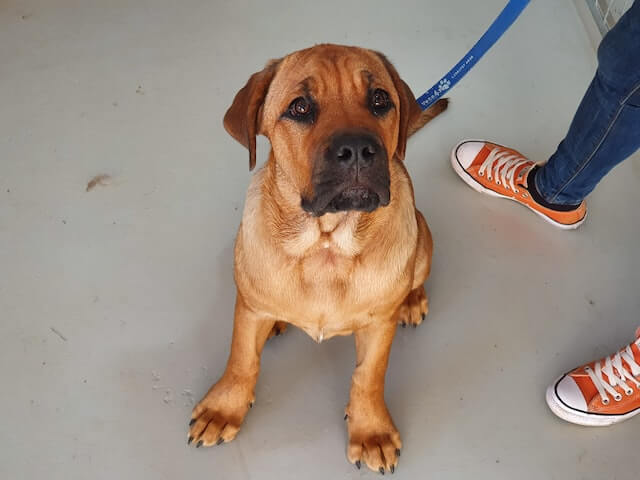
(500, 25)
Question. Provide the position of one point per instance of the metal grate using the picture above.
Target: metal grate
(607, 12)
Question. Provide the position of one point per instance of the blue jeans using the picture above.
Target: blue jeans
(606, 126)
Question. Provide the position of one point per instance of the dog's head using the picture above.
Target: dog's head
(335, 116)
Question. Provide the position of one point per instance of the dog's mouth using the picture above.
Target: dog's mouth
(352, 198)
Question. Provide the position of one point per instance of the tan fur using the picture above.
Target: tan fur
(339, 274)
(429, 114)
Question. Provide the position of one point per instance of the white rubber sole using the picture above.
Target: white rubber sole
(578, 417)
(478, 187)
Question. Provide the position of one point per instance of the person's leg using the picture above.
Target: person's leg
(606, 126)
(604, 131)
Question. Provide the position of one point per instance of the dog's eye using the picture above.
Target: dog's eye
(379, 101)
(299, 108)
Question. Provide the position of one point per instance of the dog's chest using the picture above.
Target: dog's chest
(326, 276)
(326, 265)
(336, 294)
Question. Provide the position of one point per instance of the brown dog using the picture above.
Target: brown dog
(330, 239)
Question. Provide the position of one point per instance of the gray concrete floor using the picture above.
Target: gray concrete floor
(116, 304)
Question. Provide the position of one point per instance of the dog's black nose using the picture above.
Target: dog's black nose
(353, 149)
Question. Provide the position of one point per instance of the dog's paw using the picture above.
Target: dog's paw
(218, 416)
(278, 329)
(375, 444)
(414, 308)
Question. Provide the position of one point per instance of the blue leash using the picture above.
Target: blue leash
(500, 25)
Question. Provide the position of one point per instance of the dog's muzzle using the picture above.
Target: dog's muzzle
(351, 173)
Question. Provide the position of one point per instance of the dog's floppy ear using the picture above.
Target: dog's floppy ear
(242, 120)
(409, 108)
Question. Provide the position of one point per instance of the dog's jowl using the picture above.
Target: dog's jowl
(330, 239)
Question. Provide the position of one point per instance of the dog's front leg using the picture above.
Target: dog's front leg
(218, 416)
(373, 438)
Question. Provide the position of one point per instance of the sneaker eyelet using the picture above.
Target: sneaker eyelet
(605, 401)
(517, 191)
(481, 174)
(490, 177)
(629, 392)
(618, 397)
(507, 187)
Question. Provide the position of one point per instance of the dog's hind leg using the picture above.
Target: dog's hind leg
(416, 306)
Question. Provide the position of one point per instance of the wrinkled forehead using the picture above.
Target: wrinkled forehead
(329, 73)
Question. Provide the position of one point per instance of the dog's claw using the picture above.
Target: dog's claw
(381, 470)
(346, 416)
(393, 469)
(199, 444)
(404, 325)
(358, 464)
(189, 440)
(220, 440)
(193, 420)
(424, 315)
(397, 452)
(251, 405)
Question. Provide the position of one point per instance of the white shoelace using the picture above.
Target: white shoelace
(503, 164)
(617, 374)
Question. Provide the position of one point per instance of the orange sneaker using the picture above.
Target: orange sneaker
(503, 172)
(600, 393)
